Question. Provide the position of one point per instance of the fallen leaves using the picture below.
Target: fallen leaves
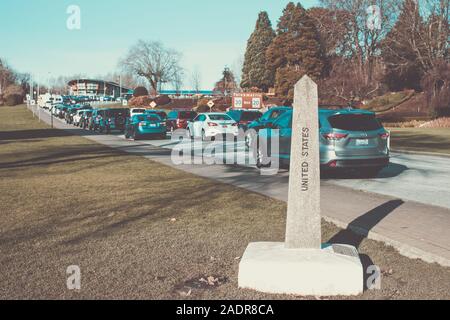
(211, 281)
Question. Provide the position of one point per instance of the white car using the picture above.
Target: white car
(136, 111)
(77, 117)
(208, 125)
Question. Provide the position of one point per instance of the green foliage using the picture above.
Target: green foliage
(255, 73)
(295, 51)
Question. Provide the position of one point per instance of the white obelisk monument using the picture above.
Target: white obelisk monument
(302, 265)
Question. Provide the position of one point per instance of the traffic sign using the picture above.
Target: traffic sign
(211, 104)
(248, 100)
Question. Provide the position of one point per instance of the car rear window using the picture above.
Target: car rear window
(186, 115)
(220, 117)
(250, 116)
(355, 122)
(139, 110)
(153, 118)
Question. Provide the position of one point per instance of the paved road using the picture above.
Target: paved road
(381, 208)
(424, 179)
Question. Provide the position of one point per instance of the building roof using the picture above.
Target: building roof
(75, 81)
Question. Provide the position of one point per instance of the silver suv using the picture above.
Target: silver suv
(349, 138)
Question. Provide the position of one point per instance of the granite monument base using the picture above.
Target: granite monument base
(331, 271)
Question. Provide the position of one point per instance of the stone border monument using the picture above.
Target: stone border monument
(302, 265)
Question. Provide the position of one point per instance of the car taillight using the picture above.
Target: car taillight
(335, 136)
(385, 135)
(212, 124)
(162, 123)
(332, 164)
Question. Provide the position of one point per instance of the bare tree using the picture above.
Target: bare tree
(177, 81)
(152, 61)
(370, 21)
(7, 76)
(196, 80)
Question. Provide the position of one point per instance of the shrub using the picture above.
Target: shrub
(163, 100)
(143, 101)
(13, 100)
(436, 84)
(140, 92)
(13, 95)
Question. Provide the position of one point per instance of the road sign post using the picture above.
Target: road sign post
(211, 104)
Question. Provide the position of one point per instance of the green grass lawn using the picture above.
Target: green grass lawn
(388, 101)
(418, 139)
(141, 230)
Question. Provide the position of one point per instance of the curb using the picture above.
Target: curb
(404, 249)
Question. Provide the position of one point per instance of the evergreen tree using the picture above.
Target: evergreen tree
(295, 51)
(403, 69)
(255, 73)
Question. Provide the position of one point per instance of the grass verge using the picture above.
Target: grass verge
(421, 139)
(141, 230)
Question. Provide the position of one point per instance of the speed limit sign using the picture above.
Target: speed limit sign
(256, 103)
(238, 102)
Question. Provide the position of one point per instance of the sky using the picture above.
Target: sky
(210, 34)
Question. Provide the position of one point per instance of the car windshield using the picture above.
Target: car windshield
(117, 113)
(250, 116)
(219, 117)
(150, 118)
(161, 114)
(187, 115)
(355, 122)
(138, 110)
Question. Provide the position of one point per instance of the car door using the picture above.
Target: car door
(199, 125)
(284, 125)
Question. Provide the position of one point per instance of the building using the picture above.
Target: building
(90, 87)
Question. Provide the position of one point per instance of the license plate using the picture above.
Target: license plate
(152, 125)
(362, 142)
(225, 126)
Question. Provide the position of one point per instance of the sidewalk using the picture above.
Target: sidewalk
(415, 230)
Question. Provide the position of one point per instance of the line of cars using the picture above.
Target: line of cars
(349, 138)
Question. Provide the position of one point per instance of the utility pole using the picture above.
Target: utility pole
(120, 86)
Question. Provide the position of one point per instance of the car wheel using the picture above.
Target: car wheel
(190, 134)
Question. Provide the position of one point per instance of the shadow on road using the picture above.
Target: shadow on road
(392, 171)
(32, 134)
(359, 228)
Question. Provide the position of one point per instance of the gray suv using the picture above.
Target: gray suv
(349, 138)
